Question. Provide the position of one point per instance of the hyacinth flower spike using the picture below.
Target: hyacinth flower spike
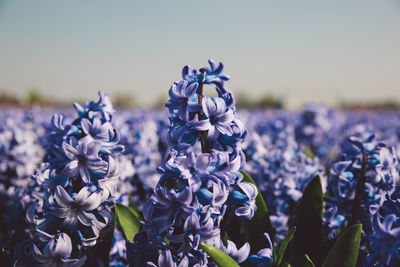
(74, 192)
(203, 166)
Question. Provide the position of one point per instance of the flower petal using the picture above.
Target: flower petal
(92, 202)
(202, 125)
(63, 246)
(86, 125)
(62, 197)
(209, 107)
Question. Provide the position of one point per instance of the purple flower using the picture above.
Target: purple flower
(238, 255)
(165, 259)
(332, 221)
(244, 203)
(208, 75)
(194, 232)
(385, 241)
(387, 173)
(96, 130)
(342, 181)
(249, 206)
(214, 197)
(263, 257)
(141, 251)
(118, 250)
(190, 167)
(182, 100)
(57, 253)
(74, 210)
(75, 191)
(83, 159)
(191, 197)
(218, 118)
(102, 108)
(170, 207)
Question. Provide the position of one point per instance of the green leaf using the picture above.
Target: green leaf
(129, 223)
(308, 221)
(307, 262)
(282, 248)
(220, 257)
(309, 153)
(260, 223)
(135, 212)
(346, 248)
(132, 205)
(284, 264)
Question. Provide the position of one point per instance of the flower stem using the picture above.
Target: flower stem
(205, 145)
(355, 211)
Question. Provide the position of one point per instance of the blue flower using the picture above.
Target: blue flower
(102, 108)
(73, 193)
(194, 232)
(141, 251)
(74, 210)
(245, 203)
(239, 255)
(183, 99)
(213, 197)
(118, 249)
(165, 259)
(263, 257)
(386, 169)
(82, 159)
(332, 221)
(385, 241)
(342, 182)
(96, 130)
(207, 75)
(190, 199)
(57, 252)
(218, 118)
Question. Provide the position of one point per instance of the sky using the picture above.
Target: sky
(297, 50)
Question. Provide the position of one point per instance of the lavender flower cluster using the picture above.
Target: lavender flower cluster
(70, 201)
(281, 169)
(200, 182)
(375, 166)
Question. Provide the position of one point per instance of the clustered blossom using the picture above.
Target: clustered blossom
(20, 149)
(201, 181)
(76, 188)
(22, 135)
(144, 136)
(280, 168)
(316, 132)
(379, 201)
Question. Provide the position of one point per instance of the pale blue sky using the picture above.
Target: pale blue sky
(301, 50)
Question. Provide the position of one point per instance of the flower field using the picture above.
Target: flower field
(199, 183)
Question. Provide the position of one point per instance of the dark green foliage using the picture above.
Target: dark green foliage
(260, 223)
(282, 248)
(345, 250)
(105, 246)
(308, 220)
